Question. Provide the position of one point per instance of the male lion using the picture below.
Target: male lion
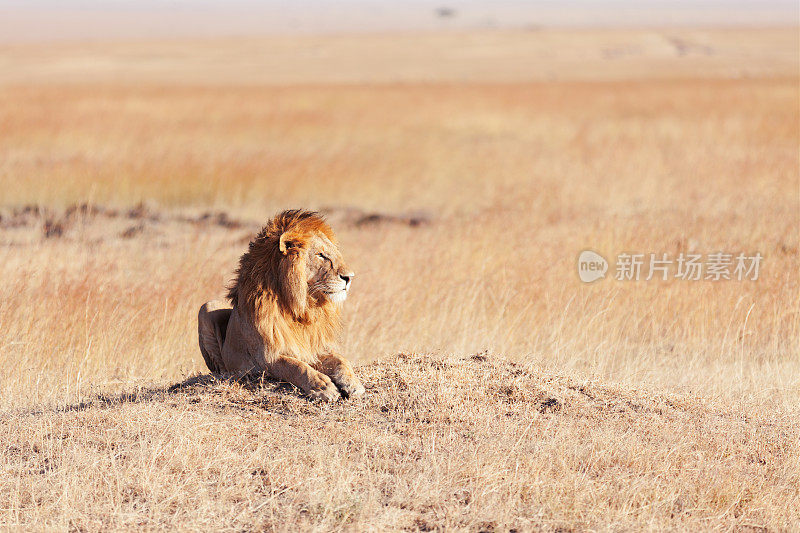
(283, 314)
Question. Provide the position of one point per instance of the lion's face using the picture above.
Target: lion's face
(328, 277)
(314, 272)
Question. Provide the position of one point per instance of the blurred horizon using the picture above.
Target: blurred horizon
(49, 20)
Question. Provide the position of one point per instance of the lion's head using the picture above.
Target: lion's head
(293, 263)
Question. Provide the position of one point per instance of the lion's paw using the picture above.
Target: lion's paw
(325, 391)
(351, 388)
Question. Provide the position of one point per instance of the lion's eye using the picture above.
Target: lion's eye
(321, 256)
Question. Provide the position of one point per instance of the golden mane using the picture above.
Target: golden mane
(269, 288)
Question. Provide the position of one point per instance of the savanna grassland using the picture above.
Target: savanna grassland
(463, 173)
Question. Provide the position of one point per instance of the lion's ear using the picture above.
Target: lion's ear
(288, 241)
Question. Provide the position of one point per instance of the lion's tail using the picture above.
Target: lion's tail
(212, 324)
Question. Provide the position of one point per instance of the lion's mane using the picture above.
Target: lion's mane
(269, 289)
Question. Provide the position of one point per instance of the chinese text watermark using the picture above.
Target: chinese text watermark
(662, 266)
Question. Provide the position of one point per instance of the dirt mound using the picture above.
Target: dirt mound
(450, 389)
(473, 443)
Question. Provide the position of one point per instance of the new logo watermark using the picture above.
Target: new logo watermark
(591, 266)
(684, 266)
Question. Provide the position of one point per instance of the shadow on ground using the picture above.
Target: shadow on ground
(205, 385)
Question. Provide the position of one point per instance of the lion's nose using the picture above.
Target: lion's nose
(347, 277)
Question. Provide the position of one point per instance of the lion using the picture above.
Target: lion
(282, 315)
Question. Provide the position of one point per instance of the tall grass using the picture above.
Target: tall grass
(516, 179)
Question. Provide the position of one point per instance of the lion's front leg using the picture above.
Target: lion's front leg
(312, 382)
(339, 370)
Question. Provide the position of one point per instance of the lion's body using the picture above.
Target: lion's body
(282, 317)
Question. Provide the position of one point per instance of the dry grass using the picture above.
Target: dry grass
(674, 404)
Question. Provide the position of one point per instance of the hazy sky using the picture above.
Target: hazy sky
(35, 20)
